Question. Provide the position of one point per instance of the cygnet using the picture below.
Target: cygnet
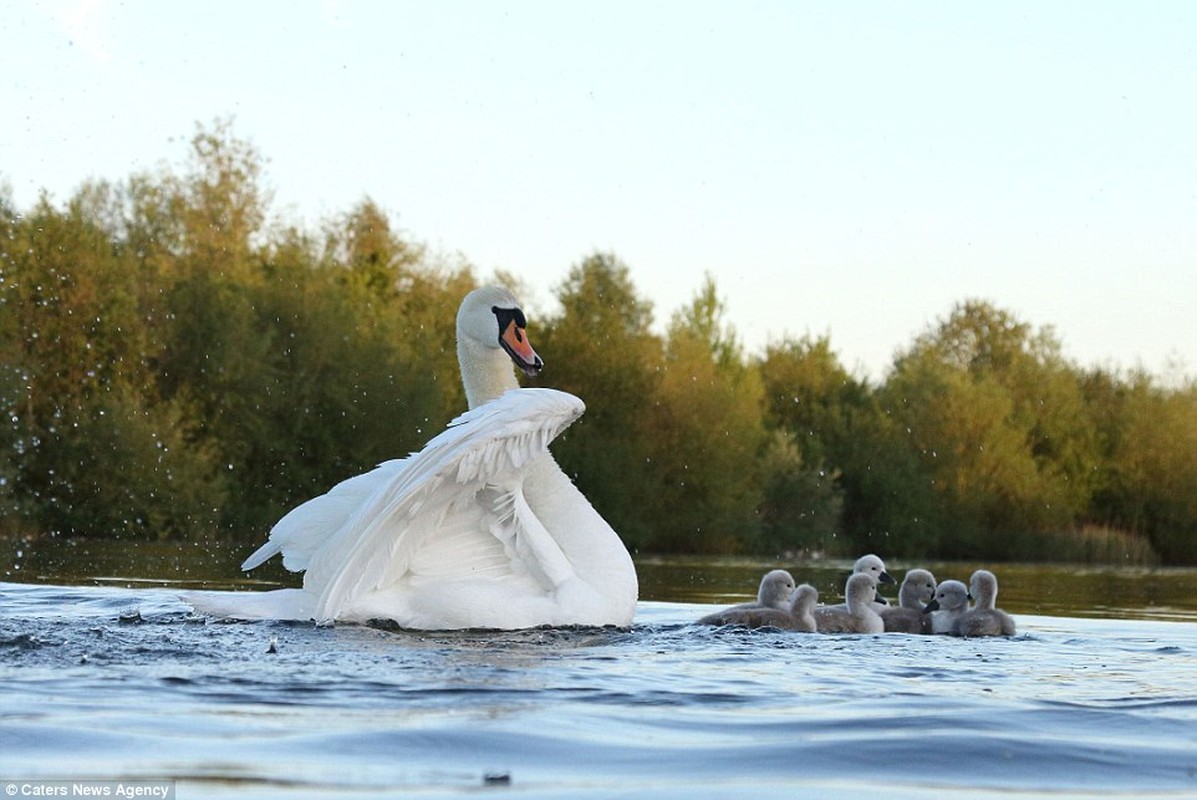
(948, 605)
(985, 619)
(798, 617)
(857, 615)
(918, 587)
(775, 592)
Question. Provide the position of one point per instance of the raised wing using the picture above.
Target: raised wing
(307, 527)
(458, 498)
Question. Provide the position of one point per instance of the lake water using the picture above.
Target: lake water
(103, 676)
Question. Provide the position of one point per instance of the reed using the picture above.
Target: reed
(1099, 544)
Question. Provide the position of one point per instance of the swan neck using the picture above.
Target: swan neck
(486, 372)
(909, 596)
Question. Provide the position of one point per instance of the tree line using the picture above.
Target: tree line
(174, 365)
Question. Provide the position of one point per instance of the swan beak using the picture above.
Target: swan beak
(932, 606)
(515, 342)
(885, 577)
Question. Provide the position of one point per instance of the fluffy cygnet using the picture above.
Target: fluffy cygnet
(798, 617)
(776, 589)
(948, 605)
(985, 619)
(918, 587)
(873, 565)
(857, 615)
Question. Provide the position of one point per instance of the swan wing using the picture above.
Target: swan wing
(455, 508)
(306, 528)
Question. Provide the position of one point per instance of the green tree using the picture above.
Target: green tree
(817, 410)
(600, 348)
(997, 421)
(90, 451)
(707, 435)
(1149, 469)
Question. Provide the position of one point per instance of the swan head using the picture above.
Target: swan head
(949, 596)
(860, 589)
(775, 589)
(492, 335)
(918, 587)
(983, 587)
(874, 566)
(804, 599)
(492, 317)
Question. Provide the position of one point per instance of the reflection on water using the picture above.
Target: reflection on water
(1048, 589)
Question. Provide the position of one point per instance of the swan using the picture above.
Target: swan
(797, 615)
(918, 587)
(480, 529)
(985, 619)
(949, 603)
(855, 616)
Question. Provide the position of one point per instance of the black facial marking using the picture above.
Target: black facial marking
(506, 316)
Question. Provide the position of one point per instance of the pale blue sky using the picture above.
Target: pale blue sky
(842, 168)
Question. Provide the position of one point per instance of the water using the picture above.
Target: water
(118, 680)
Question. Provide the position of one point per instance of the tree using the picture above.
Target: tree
(1149, 475)
(600, 348)
(996, 419)
(817, 410)
(90, 450)
(707, 434)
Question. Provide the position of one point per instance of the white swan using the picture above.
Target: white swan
(918, 587)
(857, 614)
(480, 529)
(948, 605)
(985, 619)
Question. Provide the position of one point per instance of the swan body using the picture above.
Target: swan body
(985, 619)
(917, 589)
(857, 614)
(797, 615)
(479, 529)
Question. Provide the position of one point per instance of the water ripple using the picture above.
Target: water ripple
(666, 709)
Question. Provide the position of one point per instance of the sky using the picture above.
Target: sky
(848, 169)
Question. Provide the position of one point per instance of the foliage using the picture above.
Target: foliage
(601, 349)
(706, 434)
(175, 364)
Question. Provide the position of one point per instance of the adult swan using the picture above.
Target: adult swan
(480, 529)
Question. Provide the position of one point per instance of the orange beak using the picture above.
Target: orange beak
(515, 341)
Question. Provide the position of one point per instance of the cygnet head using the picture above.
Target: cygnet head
(776, 588)
(860, 590)
(875, 567)
(804, 599)
(949, 596)
(491, 332)
(983, 586)
(918, 587)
